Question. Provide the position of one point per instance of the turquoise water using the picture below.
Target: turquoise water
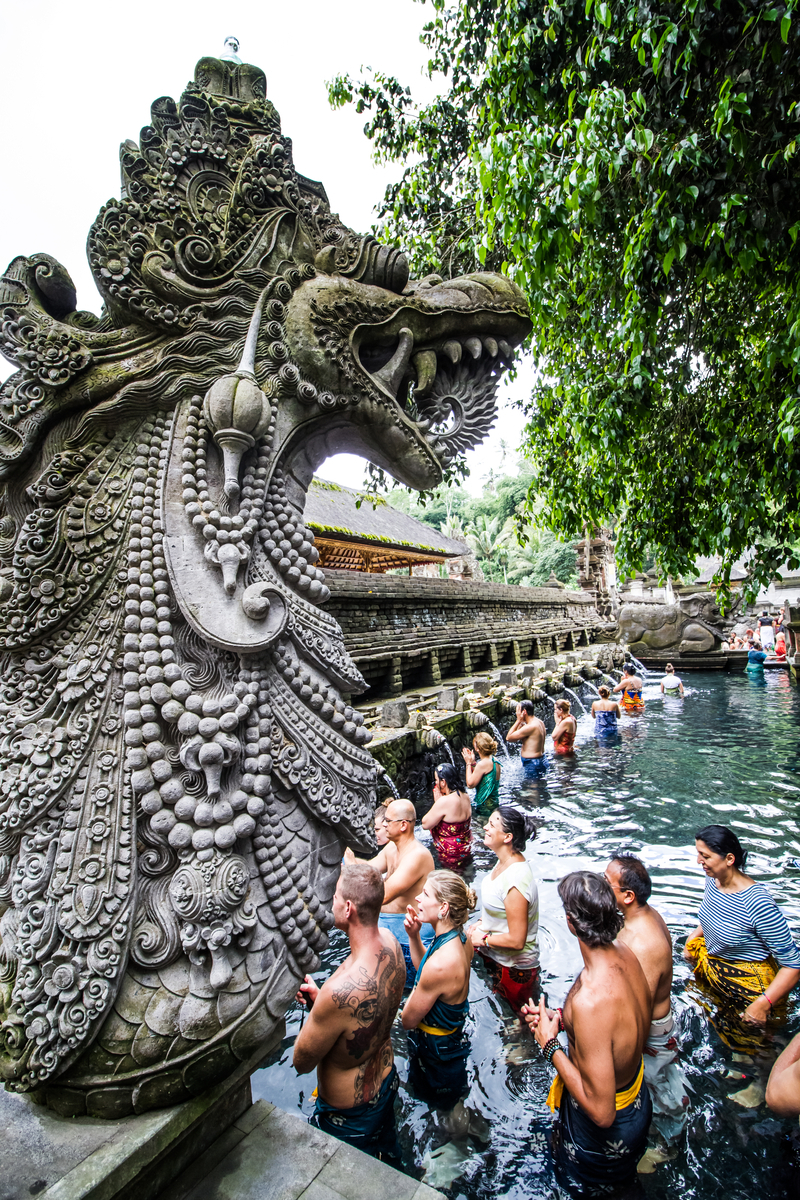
(729, 752)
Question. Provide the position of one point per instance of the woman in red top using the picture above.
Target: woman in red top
(566, 725)
(450, 818)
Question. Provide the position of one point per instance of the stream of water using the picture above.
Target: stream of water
(728, 752)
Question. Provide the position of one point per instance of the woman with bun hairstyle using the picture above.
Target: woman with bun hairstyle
(742, 949)
(483, 773)
(438, 1006)
(507, 934)
(606, 713)
(449, 819)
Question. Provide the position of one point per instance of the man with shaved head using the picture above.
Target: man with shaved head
(405, 876)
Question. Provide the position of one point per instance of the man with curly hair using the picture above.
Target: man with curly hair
(599, 1093)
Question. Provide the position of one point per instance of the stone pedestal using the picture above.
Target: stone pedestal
(87, 1158)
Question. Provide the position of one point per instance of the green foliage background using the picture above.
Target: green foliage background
(634, 167)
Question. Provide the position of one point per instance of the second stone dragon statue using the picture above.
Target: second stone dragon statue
(180, 767)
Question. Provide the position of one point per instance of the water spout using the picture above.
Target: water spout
(570, 692)
(591, 685)
(643, 671)
(391, 784)
(449, 753)
(501, 741)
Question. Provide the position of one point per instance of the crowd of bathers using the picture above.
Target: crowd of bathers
(619, 1093)
(766, 640)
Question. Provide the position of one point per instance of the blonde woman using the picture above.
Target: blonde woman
(483, 773)
(438, 1006)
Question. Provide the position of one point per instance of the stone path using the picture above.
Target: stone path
(269, 1155)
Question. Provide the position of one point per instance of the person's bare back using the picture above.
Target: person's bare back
(608, 1009)
(645, 932)
(346, 1036)
(363, 996)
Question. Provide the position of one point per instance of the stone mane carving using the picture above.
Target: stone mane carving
(179, 764)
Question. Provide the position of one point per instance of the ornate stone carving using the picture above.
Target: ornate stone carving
(179, 766)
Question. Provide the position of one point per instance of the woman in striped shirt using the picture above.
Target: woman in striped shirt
(742, 949)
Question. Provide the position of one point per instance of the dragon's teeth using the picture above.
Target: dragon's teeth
(453, 351)
(505, 350)
(491, 346)
(425, 366)
(474, 346)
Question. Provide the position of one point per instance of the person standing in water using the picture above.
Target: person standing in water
(606, 713)
(437, 1008)
(483, 773)
(671, 684)
(742, 950)
(507, 934)
(566, 727)
(646, 934)
(449, 819)
(631, 687)
(530, 732)
(346, 1036)
(756, 658)
(413, 864)
(601, 1132)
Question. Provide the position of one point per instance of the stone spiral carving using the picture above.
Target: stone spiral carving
(180, 766)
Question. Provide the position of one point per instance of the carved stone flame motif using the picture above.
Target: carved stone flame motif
(180, 767)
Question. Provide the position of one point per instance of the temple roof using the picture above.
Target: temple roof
(331, 511)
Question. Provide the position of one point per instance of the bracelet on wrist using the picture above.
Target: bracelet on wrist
(769, 1002)
(549, 1049)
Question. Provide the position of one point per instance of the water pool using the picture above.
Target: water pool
(729, 752)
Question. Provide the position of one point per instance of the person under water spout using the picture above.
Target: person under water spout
(565, 730)
(449, 820)
(435, 1012)
(606, 713)
(631, 687)
(483, 774)
(530, 731)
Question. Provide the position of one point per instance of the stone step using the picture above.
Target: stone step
(270, 1155)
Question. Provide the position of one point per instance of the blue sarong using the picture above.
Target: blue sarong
(370, 1127)
(438, 1047)
(605, 723)
(395, 923)
(534, 767)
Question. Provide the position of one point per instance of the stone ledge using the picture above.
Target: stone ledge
(87, 1158)
(284, 1158)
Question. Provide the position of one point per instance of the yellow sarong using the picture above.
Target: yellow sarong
(734, 985)
(621, 1099)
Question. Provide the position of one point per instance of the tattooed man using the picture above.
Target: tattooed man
(347, 1034)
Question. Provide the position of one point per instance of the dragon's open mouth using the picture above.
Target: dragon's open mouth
(443, 382)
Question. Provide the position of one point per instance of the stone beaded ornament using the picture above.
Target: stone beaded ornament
(179, 766)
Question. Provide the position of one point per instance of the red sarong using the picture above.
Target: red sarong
(453, 842)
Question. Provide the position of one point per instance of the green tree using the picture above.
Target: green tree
(488, 537)
(543, 555)
(634, 167)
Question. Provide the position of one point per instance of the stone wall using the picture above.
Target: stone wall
(412, 632)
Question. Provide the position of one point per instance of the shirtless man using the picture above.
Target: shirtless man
(382, 838)
(346, 1036)
(530, 731)
(646, 934)
(598, 1140)
(405, 875)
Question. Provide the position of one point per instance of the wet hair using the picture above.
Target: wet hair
(362, 885)
(528, 707)
(450, 775)
(669, 667)
(604, 690)
(723, 841)
(629, 669)
(520, 825)
(484, 743)
(591, 906)
(634, 876)
(451, 889)
(380, 813)
(565, 704)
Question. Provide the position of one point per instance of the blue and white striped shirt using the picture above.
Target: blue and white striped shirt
(746, 926)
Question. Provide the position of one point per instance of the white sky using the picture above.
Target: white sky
(83, 75)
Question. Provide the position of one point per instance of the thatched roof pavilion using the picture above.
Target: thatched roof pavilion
(371, 535)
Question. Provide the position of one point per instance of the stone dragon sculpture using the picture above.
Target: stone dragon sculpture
(180, 766)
